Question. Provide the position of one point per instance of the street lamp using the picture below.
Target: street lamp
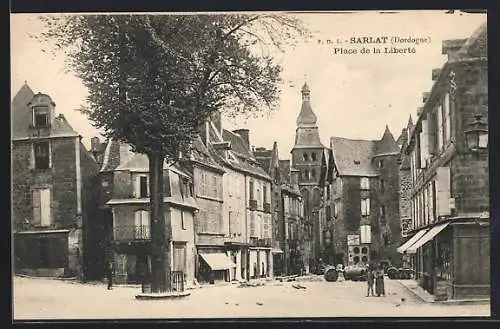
(476, 134)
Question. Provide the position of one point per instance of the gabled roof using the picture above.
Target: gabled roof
(21, 117)
(353, 157)
(387, 145)
(476, 45)
(119, 157)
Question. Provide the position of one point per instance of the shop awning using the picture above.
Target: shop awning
(427, 237)
(218, 261)
(411, 241)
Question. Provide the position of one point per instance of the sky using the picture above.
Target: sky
(353, 95)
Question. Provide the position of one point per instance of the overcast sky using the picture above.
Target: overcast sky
(353, 96)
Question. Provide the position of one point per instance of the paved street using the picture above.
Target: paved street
(51, 299)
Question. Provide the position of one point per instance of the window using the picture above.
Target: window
(306, 175)
(313, 173)
(365, 183)
(387, 239)
(382, 185)
(143, 187)
(42, 155)
(446, 118)
(365, 207)
(252, 224)
(328, 192)
(141, 230)
(336, 209)
(265, 193)
(203, 184)
(305, 157)
(214, 187)
(251, 190)
(313, 156)
(179, 257)
(382, 211)
(381, 163)
(42, 211)
(230, 222)
(440, 130)
(183, 223)
(229, 187)
(41, 116)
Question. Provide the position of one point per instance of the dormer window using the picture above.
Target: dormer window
(313, 156)
(41, 116)
(306, 158)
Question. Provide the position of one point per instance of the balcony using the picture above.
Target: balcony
(267, 207)
(267, 242)
(252, 204)
(132, 233)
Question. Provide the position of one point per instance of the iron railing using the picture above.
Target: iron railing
(176, 283)
(132, 232)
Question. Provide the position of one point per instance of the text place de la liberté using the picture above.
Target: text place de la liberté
(375, 44)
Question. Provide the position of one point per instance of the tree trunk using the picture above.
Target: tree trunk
(160, 228)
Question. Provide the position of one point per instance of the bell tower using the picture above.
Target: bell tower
(306, 156)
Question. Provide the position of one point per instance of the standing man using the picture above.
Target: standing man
(110, 271)
(370, 280)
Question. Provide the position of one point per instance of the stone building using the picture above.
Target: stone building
(247, 203)
(306, 156)
(124, 181)
(449, 244)
(364, 198)
(216, 219)
(286, 203)
(405, 183)
(52, 199)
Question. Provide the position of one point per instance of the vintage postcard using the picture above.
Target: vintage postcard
(250, 165)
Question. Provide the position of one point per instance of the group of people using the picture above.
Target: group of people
(375, 277)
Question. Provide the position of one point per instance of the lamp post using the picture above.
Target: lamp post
(476, 134)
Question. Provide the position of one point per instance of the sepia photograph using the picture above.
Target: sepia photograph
(233, 165)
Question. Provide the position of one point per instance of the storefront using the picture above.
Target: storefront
(214, 265)
(260, 262)
(41, 253)
(451, 259)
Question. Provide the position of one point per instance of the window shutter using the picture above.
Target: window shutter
(439, 136)
(45, 207)
(136, 179)
(36, 207)
(424, 148)
(443, 191)
(252, 224)
(368, 206)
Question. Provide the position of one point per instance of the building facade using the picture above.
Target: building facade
(306, 156)
(449, 246)
(287, 212)
(247, 202)
(125, 183)
(52, 199)
(364, 201)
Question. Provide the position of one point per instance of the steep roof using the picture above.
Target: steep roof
(285, 170)
(237, 143)
(200, 153)
(476, 45)
(387, 145)
(353, 157)
(21, 117)
(306, 117)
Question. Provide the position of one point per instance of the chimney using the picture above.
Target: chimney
(216, 118)
(245, 135)
(294, 176)
(451, 48)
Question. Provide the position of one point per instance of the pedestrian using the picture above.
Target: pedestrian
(110, 271)
(379, 283)
(370, 280)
